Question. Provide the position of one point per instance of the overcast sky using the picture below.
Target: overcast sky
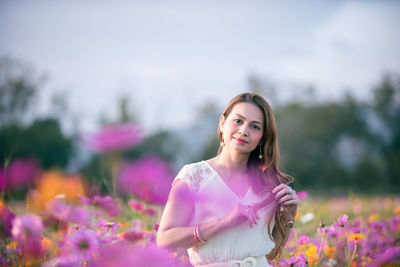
(170, 57)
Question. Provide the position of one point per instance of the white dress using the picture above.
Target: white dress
(238, 246)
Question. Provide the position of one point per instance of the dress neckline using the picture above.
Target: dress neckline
(223, 182)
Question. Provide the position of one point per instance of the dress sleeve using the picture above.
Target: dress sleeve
(185, 175)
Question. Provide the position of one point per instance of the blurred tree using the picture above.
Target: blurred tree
(43, 138)
(311, 140)
(386, 104)
(18, 91)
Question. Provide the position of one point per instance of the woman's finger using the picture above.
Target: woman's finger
(284, 190)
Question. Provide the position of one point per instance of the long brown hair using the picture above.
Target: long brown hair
(265, 171)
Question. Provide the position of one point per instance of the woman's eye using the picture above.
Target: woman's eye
(256, 127)
(237, 120)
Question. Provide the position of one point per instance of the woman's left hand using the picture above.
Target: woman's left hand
(287, 197)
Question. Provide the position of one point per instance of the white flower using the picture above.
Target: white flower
(307, 217)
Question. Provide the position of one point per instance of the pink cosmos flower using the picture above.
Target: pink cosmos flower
(59, 210)
(27, 230)
(83, 243)
(6, 218)
(388, 257)
(114, 137)
(136, 205)
(378, 226)
(108, 204)
(331, 232)
(2, 180)
(27, 227)
(80, 215)
(302, 194)
(20, 173)
(66, 213)
(394, 223)
(300, 261)
(304, 240)
(341, 221)
(148, 178)
(150, 211)
(132, 236)
(107, 226)
(151, 255)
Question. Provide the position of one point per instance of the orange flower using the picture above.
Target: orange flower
(46, 242)
(13, 245)
(396, 210)
(373, 217)
(330, 252)
(54, 184)
(356, 237)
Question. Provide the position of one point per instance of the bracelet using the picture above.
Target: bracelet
(197, 236)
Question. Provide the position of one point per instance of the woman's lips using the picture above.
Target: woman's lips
(241, 141)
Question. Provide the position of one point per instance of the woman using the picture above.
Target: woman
(223, 209)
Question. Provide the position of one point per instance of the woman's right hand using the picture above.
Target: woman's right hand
(241, 213)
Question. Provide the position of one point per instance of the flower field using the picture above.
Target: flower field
(73, 230)
(63, 220)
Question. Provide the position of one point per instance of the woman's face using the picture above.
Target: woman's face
(242, 129)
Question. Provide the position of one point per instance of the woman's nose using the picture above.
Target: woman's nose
(243, 131)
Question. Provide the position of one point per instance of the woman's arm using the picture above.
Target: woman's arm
(174, 230)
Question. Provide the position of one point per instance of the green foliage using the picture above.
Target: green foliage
(42, 140)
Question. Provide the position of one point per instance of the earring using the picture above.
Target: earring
(260, 156)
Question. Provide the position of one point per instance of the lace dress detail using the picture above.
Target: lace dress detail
(194, 175)
(214, 200)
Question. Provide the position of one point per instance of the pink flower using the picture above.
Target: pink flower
(59, 210)
(331, 232)
(6, 218)
(151, 255)
(108, 204)
(388, 257)
(132, 236)
(136, 205)
(66, 213)
(27, 227)
(80, 215)
(107, 226)
(27, 230)
(83, 243)
(302, 194)
(300, 261)
(341, 221)
(150, 211)
(20, 173)
(148, 178)
(114, 137)
(304, 240)
(2, 180)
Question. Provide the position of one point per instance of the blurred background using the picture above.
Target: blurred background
(89, 87)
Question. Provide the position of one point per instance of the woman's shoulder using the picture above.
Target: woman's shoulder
(194, 174)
